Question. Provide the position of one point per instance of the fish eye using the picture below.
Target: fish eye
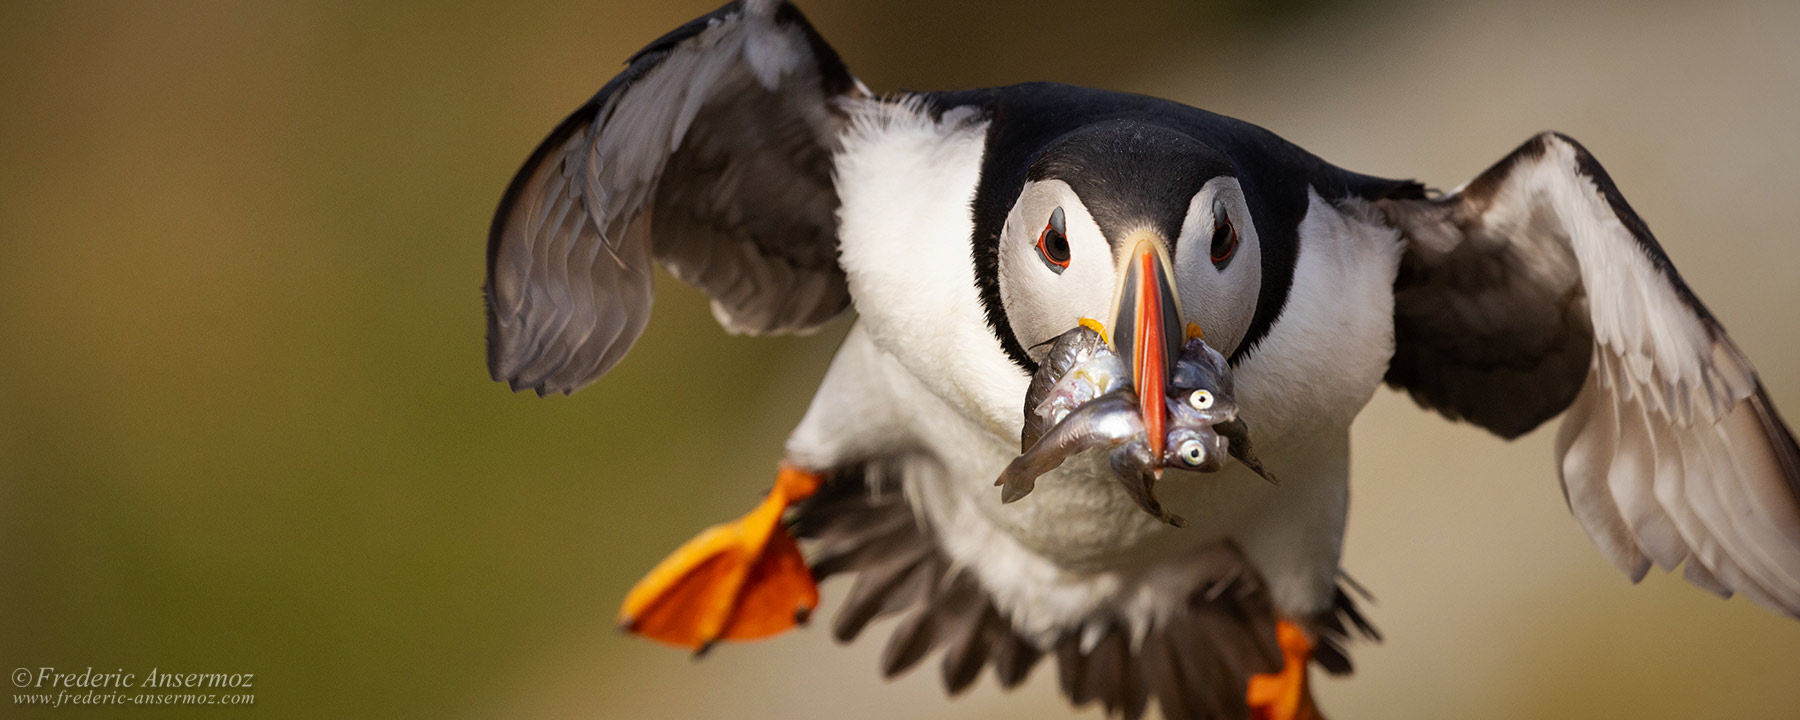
(1200, 400)
(1193, 452)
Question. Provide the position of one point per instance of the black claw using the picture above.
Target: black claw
(705, 648)
(802, 614)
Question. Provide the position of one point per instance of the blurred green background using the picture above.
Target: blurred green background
(245, 425)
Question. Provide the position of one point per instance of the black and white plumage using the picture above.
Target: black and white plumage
(739, 152)
(1536, 289)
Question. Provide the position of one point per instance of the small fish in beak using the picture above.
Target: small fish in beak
(1204, 426)
(1082, 398)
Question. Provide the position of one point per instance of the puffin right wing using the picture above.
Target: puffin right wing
(1534, 289)
(710, 153)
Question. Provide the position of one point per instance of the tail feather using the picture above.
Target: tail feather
(1196, 663)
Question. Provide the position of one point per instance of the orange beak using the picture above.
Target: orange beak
(1147, 327)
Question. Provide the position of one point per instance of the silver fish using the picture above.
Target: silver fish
(1081, 399)
(1203, 415)
(1079, 368)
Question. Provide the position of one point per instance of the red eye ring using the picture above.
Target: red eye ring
(1053, 249)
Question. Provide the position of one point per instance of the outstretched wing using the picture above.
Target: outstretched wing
(1536, 288)
(710, 153)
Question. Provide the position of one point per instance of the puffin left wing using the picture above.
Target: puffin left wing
(710, 153)
(1535, 288)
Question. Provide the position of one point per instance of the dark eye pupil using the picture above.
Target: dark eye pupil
(1224, 240)
(1053, 245)
(1056, 246)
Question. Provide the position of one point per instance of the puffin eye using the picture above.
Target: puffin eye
(1200, 400)
(1192, 452)
(1224, 238)
(1053, 244)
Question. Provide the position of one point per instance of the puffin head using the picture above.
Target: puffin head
(1142, 228)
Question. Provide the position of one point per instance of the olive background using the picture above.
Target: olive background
(245, 424)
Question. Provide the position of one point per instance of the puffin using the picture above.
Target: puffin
(974, 233)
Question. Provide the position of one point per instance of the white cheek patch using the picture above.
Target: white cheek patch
(1220, 301)
(1041, 303)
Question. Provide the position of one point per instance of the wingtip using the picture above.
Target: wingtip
(518, 381)
(515, 384)
(518, 384)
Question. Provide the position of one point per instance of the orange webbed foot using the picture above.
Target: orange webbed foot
(741, 580)
(1284, 695)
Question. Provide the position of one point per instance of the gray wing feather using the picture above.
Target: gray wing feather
(710, 153)
(1536, 289)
